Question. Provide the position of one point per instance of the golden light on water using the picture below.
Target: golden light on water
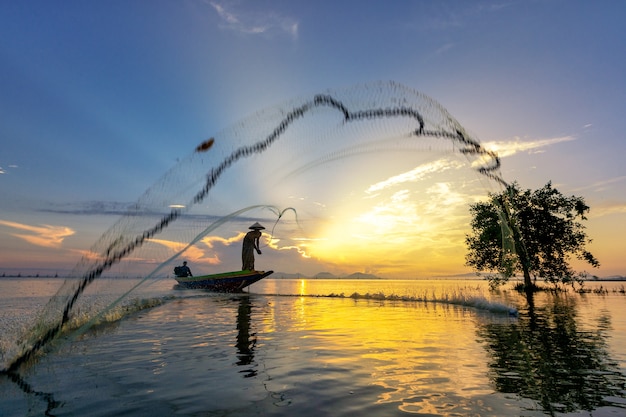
(396, 344)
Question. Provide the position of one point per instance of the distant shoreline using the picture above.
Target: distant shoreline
(363, 277)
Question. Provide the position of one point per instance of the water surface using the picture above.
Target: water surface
(332, 347)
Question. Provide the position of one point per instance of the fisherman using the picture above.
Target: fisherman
(183, 271)
(250, 244)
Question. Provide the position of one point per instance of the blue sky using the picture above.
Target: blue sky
(99, 99)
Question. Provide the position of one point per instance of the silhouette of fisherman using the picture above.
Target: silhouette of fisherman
(250, 244)
(183, 271)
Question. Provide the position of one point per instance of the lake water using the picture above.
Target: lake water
(329, 348)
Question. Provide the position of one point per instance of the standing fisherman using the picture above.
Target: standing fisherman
(250, 244)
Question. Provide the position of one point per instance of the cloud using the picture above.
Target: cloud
(414, 175)
(194, 253)
(4, 171)
(44, 235)
(93, 207)
(442, 17)
(603, 185)
(211, 241)
(509, 148)
(226, 16)
(114, 208)
(253, 23)
(206, 252)
(495, 6)
(606, 209)
(444, 48)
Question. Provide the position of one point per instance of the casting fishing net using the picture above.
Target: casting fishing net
(376, 172)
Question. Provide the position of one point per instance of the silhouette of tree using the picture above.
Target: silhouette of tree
(532, 232)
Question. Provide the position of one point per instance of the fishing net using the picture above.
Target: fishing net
(337, 178)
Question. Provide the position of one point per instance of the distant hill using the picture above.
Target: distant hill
(360, 275)
(325, 275)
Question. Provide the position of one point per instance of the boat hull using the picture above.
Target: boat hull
(225, 282)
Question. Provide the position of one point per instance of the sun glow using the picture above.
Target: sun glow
(417, 228)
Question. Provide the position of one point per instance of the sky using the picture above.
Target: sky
(100, 99)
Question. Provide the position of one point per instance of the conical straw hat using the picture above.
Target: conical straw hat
(256, 226)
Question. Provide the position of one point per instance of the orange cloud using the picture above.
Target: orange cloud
(192, 253)
(211, 240)
(45, 235)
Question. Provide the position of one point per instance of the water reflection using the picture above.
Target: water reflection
(549, 356)
(246, 341)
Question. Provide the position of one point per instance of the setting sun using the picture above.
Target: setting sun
(403, 226)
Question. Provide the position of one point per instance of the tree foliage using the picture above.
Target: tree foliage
(532, 232)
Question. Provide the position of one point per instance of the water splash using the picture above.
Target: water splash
(460, 298)
(365, 122)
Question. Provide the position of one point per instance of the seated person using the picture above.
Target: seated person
(183, 271)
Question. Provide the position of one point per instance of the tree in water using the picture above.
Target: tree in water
(544, 230)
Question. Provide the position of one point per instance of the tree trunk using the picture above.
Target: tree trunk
(523, 257)
(520, 247)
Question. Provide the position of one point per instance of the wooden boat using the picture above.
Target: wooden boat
(234, 281)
